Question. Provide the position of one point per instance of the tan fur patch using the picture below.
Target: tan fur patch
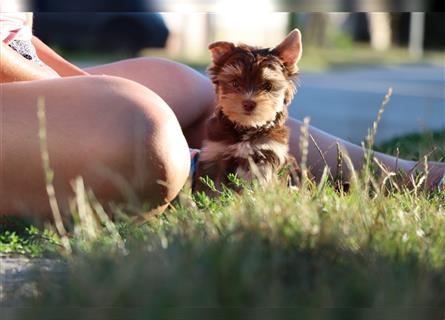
(232, 71)
(273, 75)
(266, 110)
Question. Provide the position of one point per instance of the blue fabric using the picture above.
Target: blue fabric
(194, 159)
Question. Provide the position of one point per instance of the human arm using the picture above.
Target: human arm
(14, 67)
(55, 61)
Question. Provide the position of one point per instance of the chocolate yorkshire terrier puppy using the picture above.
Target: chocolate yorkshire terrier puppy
(247, 135)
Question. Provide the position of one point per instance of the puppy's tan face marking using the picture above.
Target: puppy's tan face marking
(254, 77)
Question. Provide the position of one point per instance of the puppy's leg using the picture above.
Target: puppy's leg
(211, 176)
(293, 172)
(205, 179)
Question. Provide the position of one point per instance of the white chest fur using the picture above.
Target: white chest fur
(213, 151)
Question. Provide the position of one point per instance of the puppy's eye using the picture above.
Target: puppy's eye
(267, 87)
(235, 84)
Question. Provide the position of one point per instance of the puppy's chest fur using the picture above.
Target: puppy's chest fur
(233, 149)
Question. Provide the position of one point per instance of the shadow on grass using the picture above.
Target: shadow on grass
(249, 278)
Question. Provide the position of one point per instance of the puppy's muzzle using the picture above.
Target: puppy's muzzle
(249, 105)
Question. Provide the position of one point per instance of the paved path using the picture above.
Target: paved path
(19, 276)
(346, 102)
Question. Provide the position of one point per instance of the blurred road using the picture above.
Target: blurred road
(345, 102)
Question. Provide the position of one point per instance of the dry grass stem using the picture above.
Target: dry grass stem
(322, 157)
(49, 176)
(304, 146)
(372, 133)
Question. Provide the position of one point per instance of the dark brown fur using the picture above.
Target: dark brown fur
(236, 138)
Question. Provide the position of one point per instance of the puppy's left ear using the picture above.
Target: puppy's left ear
(220, 48)
(290, 49)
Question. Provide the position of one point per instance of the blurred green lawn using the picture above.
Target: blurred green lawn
(314, 59)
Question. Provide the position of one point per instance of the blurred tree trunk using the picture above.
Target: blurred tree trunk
(210, 27)
(316, 29)
(416, 34)
(380, 30)
(292, 21)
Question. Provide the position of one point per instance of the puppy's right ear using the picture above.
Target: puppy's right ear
(220, 48)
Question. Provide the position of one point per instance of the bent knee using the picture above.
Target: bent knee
(152, 145)
(172, 153)
(120, 136)
(113, 132)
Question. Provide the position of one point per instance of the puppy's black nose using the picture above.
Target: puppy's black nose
(249, 105)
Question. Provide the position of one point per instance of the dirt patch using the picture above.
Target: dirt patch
(20, 274)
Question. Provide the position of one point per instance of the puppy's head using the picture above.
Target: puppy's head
(254, 84)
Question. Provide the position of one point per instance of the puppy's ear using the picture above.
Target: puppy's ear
(290, 49)
(220, 48)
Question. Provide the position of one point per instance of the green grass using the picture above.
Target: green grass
(316, 59)
(311, 249)
(414, 146)
(320, 59)
(19, 236)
